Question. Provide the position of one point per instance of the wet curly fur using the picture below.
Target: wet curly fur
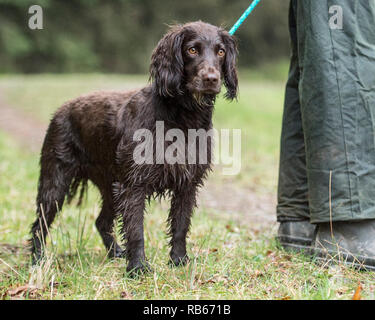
(91, 138)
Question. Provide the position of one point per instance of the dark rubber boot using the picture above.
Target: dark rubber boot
(296, 235)
(352, 243)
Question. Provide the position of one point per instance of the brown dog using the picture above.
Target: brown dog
(92, 138)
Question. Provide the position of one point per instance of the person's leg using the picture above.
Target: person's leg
(295, 230)
(337, 83)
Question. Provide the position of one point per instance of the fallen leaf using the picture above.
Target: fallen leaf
(229, 228)
(357, 293)
(208, 281)
(22, 291)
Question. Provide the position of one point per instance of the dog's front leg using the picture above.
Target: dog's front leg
(131, 205)
(182, 205)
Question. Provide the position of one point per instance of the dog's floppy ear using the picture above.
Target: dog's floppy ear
(229, 67)
(167, 64)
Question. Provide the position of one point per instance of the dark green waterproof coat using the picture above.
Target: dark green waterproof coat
(327, 161)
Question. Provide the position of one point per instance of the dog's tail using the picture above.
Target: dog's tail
(78, 182)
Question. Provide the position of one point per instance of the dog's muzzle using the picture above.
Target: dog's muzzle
(210, 80)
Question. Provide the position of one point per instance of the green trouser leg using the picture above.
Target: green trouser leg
(292, 187)
(333, 178)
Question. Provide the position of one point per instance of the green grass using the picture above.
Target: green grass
(230, 258)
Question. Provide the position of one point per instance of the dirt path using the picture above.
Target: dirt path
(244, 204)
(27, 131)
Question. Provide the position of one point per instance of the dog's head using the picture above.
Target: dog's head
(196, 57)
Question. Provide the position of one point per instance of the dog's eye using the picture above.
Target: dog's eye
(192, 50)
(221, 53)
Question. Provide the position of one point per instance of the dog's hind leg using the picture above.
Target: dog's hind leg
(52, 190)
(104, 224)
(182, 205)
(58, 168)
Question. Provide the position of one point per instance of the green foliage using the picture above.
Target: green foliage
(119, 35)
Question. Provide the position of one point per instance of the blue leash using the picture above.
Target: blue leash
(244, 16)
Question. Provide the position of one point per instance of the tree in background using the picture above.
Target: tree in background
(119, 35)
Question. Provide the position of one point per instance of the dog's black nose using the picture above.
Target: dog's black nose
(210, 79)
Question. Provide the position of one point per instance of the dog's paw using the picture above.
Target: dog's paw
(179, 260)
(117, 252)
(138, 268)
